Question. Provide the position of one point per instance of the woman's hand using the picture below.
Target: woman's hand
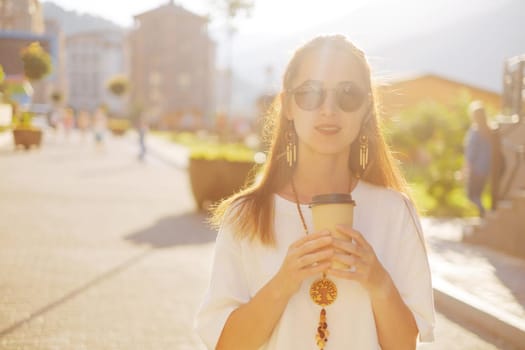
(306, 257)
(359, 256)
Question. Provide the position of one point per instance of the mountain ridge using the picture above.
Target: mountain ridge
(73, 22)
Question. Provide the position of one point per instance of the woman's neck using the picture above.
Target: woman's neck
(322, 174)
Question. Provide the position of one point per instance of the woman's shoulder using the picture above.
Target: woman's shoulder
(395, 207)
(384, 195)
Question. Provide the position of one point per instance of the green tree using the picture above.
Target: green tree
(232, 8)
(428, 140)
(37, 62)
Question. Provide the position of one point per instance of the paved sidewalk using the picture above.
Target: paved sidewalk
(97, 249)
(486, 286)
(168, 151)
(6, 139)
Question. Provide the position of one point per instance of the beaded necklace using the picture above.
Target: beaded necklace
(323, 291)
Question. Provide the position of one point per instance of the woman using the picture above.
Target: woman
(326, 139)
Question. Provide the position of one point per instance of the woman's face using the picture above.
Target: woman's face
(331, 126)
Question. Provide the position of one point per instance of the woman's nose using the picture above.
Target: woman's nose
(329, 105)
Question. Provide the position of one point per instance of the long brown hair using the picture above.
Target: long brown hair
(252, 209)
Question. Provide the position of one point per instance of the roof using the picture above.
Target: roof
(170, 6)
(407, 76)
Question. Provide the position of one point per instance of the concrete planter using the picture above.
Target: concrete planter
(118, 126)
(118, 132)
(213, 180)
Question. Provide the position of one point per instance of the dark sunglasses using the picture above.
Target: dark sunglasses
(309, 97)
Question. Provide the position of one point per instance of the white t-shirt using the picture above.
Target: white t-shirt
(387, 221)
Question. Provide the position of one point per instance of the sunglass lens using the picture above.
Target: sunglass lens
(349, 97)
(309, 99)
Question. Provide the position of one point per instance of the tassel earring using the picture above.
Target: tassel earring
(291, 145)
(363, 153)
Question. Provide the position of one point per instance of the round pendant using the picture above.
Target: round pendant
(323, 292)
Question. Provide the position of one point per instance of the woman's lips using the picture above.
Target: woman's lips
(328, 129)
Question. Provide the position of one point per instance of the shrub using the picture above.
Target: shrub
(23, 121)
(233, 152)
(209, 147)
(428, 140)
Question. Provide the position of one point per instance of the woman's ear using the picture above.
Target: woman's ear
(285, 106)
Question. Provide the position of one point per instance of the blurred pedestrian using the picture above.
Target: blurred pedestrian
(83, 123)
(142, 128)
(99, 127)
(68, 121)
(478, 154)
(273, 285)
(55, 121)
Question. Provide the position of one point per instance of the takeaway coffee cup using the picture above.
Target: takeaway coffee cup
(330, 210)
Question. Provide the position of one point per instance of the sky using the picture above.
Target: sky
(271, 20)
(268, 16)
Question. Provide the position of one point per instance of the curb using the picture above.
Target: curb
(454, 301)
(171, 153)
(162, 150)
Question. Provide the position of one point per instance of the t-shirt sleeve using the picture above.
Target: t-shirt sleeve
(227, 289)
(412, 272)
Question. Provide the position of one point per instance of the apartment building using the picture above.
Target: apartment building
(21, 15)
(92, 59)
(172, 63)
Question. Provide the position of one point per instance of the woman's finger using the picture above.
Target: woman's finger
(357, 271)
(347, 246)
(315, 269)
(348, 260)
(307, 238)
(345, 230)
(353, 234)
(321, 255)
(314, 245)
(346, 274)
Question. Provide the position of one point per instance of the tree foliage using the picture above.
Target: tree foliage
(118, 85)
(428, 140)
(232, 8)
(37, 62)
